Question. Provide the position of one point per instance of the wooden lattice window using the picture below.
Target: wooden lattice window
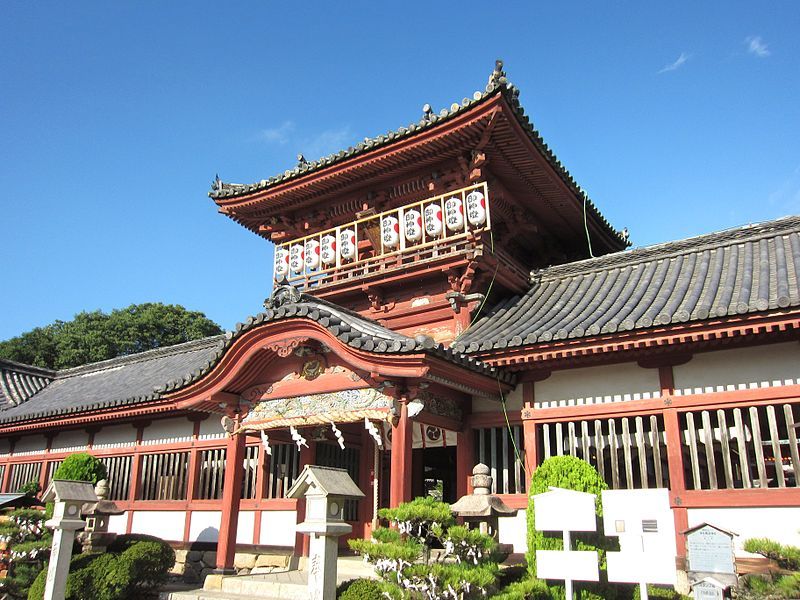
(211, 475)
(284, 466)
(331, 455)
(628, 452)
(118, 469)
(498, 448)
(250, 478)
(22, 473)
(748, 447)
(164, 476)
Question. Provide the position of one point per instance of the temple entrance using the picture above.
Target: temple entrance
(434, 463)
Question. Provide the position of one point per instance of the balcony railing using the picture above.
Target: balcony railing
(431, 227)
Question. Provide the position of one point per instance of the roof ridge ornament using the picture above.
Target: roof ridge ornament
(281, 295)
(498, 76)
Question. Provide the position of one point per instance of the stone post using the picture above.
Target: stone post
(325, 489)
(69, 497)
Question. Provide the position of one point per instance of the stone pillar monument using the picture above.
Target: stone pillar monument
(69, 497)
(325, 489)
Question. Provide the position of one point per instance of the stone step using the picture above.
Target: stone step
(284, 584)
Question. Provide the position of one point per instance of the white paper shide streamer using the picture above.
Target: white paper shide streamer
(297, 438)
(265, 442)
(338, 434)
(373, 431)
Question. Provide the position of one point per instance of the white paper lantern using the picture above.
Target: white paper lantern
(281, 263)
(312, 254)
(413, 225)
(390, 232)
(454, 214)
(327, 249)
(347, 243)
(476, 208)
(433, 220)
(296, 258)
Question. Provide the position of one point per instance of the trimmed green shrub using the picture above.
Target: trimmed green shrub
(571, 473)
(360, 589)
(139, 567)
(81, 467)
(787, 557)
(654, 591)
(527, 589)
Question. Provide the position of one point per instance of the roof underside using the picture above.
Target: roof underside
(740, 271)
(515, 149)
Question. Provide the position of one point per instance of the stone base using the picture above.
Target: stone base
(193, 566)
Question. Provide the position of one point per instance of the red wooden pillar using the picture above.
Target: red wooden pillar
(400, 484)
(194, 476)
(465, 459)
(677, 481)
(231, 498)
(529, 432)
(136, 479)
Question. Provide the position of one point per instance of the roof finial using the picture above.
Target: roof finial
(498, 76)
(301, 160)
(427, 110)
(217, 183)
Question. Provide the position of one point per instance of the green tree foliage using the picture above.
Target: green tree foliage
(464, 569)
(132, 567)
(360, 589)
(772, 586)
(95, 336)
(27, 543)
(81, 467)
(571, 473)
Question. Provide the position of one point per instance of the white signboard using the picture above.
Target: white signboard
(572, 565)
(710, 551)
(565, 510)
(641, 567)
(705, 590)
(643, 521)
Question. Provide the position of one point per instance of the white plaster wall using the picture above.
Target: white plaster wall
(597, 385)
(168, 430)
(115, 436)
(166, 524)
(739, 369)
(211, 428)
(278, 527)
(204, 526)
(245, 527)
(70, 440)
(514, 531)
(514, 401)
(118, 523)
(781, 524)
(32, 444)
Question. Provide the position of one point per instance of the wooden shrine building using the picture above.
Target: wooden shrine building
(445, 294)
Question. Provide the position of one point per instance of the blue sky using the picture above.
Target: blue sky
(679, 118)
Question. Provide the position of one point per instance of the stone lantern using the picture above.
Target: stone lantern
(325, 490)
(69, 497)
(481, 508)
(95, 537)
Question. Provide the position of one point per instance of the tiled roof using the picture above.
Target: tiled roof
(156, 373)
(739, 271)
(117, 382)
(498, 84)
(18, 382)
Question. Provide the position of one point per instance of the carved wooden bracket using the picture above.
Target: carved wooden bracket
(284, 348)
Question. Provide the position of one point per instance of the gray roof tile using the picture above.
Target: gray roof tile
(153, 374)
(739, 271)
